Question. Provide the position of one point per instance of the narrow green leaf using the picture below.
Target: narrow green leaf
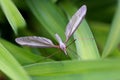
(100, 31)
(13, 15)
(49, 15)
(10, 66)
(85, 43)
(114, 34)
(76, 70)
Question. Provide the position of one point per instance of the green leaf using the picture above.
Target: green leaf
(49, 15)
(13, 15)
(100, 31)
(85, 43)
(10, 66)
(114, 34)
(76, 70)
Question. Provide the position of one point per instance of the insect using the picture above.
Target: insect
(43, 42)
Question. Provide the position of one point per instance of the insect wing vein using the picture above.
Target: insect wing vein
(75, 21)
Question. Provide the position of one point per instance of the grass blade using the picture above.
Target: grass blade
(10, 66)
(13, 15)
(85, 43)
(100, 31)
(49, 15)
(76, 70)
(113, 38)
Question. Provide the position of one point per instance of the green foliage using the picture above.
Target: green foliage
(113, 38)
(12, 14)
(10, 66)
(93, 56)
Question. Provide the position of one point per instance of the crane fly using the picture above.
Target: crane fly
(43, 42)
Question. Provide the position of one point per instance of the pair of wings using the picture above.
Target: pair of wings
(46, 43)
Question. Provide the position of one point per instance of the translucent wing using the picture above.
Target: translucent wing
(35, 42)
(58, 38)
(75, 21)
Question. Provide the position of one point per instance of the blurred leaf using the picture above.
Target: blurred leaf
(2, 18)
(113, 38)
(85, 43)
(13, 15)
(100, 31)
(115, 53)
(49, 15)
(10, 66)
(76, 70)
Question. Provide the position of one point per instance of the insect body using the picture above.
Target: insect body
(43, 42)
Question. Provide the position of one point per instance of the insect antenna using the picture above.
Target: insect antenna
(71, 43)
(69, 50)
(52, 54)
(72, 53)
(48, 57)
